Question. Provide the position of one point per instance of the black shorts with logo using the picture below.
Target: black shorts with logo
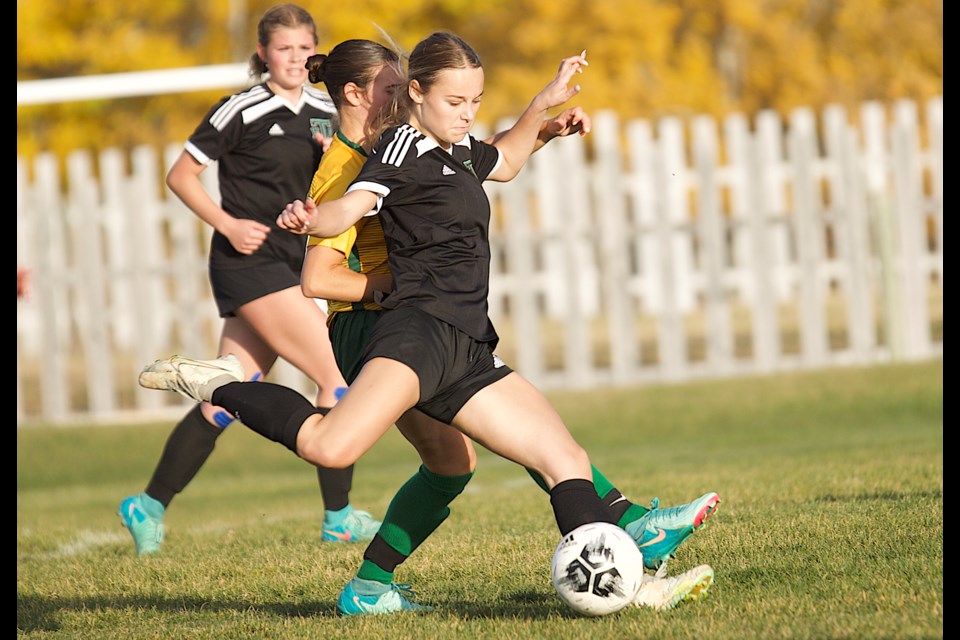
(451, 365)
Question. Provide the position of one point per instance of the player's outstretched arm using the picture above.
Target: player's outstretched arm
(523, 138)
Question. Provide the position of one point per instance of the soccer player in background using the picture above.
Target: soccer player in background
(267, 142)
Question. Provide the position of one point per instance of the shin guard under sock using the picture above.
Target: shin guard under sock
(274, 411)
(575, 503)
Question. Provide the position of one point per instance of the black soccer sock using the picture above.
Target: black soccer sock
(189, 445)
(274, 411)
(610, 494)
(575, 503)
(335, 484)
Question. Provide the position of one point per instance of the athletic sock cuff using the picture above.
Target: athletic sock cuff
(446, 484)
(288, 437)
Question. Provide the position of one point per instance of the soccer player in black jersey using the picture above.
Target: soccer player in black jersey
(432, 348)
(267, 141)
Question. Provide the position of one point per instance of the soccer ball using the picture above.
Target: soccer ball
(597, 569)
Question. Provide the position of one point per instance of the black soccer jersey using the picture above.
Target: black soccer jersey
(436, 219)
(267, 156)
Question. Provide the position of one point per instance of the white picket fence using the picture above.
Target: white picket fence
(647, 252)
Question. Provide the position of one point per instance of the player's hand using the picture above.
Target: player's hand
(558, 92)
(247, 236)
(568, 122)
(323, 141)
(297, 216)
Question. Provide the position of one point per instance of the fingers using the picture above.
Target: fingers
(322, 141)
(572, 65)
(296, 216)
(578, 62)
(570, 121)
(252, 237)
(558, 90)
(580, 121)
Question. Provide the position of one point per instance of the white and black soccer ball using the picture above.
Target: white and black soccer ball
(597, 569)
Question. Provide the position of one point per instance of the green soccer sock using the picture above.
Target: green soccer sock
(417, 509)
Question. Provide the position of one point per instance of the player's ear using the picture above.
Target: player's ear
(353, 94)
(415, 92)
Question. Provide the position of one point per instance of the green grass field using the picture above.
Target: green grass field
(831, 524)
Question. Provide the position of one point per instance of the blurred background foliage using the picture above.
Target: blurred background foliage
(648, 58)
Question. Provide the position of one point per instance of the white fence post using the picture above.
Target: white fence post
(718, 331)
(809, 237)
(614, 246)
(910, 227)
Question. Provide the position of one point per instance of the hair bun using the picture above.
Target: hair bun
(314, 67)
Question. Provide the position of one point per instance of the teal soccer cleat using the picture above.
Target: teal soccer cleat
(349, 525)
(143, 517)
(660, 531)
(366, 597)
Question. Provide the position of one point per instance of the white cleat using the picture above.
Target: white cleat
(663, 592)
(194, 379)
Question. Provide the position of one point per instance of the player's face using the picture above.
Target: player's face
(386, 83)
(286, 56)
(448, 110)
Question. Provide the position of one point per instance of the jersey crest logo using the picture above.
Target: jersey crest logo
(447, 171)
(276, 130)
(323, 126)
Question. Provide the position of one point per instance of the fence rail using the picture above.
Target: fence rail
(646, 252)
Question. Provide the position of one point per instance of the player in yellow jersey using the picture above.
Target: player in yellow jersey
(449, 457)
(348, 270)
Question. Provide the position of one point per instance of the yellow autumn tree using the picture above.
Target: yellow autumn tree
(648, 58)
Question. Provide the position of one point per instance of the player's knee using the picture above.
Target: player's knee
(330, 455)
(455, 461)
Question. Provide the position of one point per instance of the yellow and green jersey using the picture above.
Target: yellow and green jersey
(362, 245)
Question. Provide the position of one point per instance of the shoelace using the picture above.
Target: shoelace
(404, 589)
(655, 506)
